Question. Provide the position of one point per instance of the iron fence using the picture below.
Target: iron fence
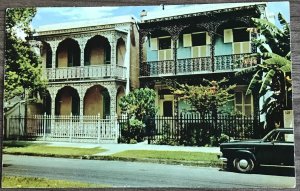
(191, 129)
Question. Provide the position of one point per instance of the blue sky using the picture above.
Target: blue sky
(54, 15)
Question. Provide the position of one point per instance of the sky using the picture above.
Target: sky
(55, 15)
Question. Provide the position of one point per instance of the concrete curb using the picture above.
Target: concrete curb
(113, 158)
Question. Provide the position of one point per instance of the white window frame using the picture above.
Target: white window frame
(164, 50)
(243, 104)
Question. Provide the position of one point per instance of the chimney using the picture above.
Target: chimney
(143, 13)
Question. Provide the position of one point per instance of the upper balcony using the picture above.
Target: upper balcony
(86, 72)
(97, 59)
(198, 47)
(200, 65)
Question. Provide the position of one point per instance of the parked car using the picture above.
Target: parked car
(276, 148)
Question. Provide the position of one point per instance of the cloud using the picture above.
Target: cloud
(77, 13)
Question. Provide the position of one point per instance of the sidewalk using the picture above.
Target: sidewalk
(116, 148)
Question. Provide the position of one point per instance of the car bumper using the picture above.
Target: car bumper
(224, 161)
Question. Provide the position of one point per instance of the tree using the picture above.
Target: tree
(272, 76)
(139, 105)
(22, 66)
(206, 98)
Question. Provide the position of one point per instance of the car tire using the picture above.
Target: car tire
(243, 164)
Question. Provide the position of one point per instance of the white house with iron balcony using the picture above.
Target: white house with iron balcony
(89, 66)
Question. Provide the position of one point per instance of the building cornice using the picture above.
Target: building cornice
(259, 8)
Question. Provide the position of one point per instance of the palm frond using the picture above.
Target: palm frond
(254, 81)
(267, 81)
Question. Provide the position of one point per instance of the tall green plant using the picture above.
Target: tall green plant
(272, 76)
(138, 105)
(206, 98)
(22, 65)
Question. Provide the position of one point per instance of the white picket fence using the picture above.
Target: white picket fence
(68, 128)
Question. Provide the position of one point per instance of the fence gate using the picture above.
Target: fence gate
(64, 128)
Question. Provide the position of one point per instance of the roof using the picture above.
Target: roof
(190, 9)
(87, 23)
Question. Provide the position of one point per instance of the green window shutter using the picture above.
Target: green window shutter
(208, 40)
(228, 36)
(203, 51)
(168, 53)
(195, 51)
(161, 55)
(154, 44)
(187, 40)
(237, 47)
(246, 47)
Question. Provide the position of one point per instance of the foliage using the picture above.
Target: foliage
(45, 150)
(22, 65)
(273, 74)
(169, 155)
(132, 131)
(33, 182)
(138, 105)
(224, 138)
(205, 98)
(166, 140)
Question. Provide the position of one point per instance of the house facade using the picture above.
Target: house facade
(188, 45)
(88, 65)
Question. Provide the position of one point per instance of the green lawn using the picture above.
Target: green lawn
(43, 149)
(32, 182)
(169, 155)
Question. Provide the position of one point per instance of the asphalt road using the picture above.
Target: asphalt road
(136, 174)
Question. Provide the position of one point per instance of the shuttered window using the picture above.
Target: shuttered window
(243, 103)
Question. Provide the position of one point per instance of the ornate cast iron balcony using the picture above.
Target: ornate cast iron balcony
(224, 63)
(194, 65)
(158, 68)
(234, 62)
(86, 72)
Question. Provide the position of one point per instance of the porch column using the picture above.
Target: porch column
(127, 63)
(113, 51)
(212, 49)
(53, 95)
(82, 42)
(174, 43)
(143, 68)
(112, 90)
(53, 45)
(81, 100)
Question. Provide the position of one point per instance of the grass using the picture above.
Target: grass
(32, 182)
(169, 155)
(22, 147)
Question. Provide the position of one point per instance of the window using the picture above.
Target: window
(49, 58)
(165, 43)
(198, 39)
(107, 52)
(240, 39)
(280, 137)
(243, 103)
(168, 108)
(240, 35)
(73, 57)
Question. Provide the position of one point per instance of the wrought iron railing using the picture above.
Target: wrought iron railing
(85, 72)
(156, 68)
(234, 62)
(194, 65)
(223, 63)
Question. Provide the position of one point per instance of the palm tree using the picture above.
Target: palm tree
(271, 78)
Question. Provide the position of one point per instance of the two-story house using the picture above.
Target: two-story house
(89, 65)
(189, 44)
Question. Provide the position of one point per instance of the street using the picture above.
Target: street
(136, 174)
